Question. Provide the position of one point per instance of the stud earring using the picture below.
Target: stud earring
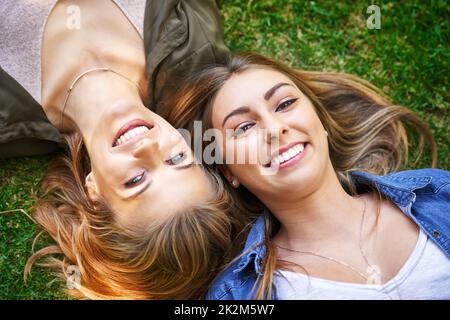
(235, 183)
(326, 133)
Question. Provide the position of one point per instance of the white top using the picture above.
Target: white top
(425, 275)
(21, 29)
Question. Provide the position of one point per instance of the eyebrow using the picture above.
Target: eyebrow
(267, 96)
(134, 195)
(235, 112)
(272, 90)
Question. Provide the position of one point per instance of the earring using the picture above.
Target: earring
(326, 133)
(235, 183)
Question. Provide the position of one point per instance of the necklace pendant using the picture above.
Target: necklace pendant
(374, 274)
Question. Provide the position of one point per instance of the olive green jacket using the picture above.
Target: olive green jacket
(180, 37)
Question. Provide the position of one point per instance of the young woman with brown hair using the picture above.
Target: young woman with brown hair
(338, 221)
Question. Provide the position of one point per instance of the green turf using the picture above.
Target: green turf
(408, 58)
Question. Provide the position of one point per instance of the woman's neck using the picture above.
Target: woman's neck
(68, 52)
(327, 214)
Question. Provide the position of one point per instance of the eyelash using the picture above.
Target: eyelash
(285, 105)
(238, 130)
(132, 182)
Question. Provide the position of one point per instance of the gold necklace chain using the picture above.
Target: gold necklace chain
(370, 268)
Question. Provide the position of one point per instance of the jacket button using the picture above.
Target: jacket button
(435, 233)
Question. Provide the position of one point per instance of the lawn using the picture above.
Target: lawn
(408, 57)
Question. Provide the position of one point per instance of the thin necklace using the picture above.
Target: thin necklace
(371, 269)
(94, 70)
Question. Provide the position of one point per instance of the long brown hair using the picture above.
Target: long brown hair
(367, 132)
(173, 259)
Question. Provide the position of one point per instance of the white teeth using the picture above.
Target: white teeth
(292, 152)
(287, 155)
(130, 134)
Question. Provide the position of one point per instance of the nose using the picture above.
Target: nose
(274, 129)
(148, 149)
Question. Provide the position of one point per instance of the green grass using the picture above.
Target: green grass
(19, 189)
(408, 58)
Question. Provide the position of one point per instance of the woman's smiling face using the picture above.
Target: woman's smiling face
(147, 174)
(262, 112)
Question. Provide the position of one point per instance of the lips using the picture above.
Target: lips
(130, 125)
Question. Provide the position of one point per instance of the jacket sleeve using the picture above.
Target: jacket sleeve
(180, 37)
(24, 127)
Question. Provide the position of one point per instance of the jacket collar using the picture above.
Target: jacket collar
(399, 188)
(254, 246)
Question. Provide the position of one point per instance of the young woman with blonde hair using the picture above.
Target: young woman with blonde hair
(337, 219)
(132, 213)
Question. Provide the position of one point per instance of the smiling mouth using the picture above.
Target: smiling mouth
(286, 155)
(131, 131)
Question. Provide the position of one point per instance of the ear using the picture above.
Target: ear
(91, 187)
(228, 175)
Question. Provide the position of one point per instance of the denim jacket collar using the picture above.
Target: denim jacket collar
(254, 247)
(398, 188)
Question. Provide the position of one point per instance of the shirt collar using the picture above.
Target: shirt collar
(399, 188)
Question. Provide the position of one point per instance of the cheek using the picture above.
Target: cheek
(306, 118)
(114, 170)
(243, 151)
(100, 156)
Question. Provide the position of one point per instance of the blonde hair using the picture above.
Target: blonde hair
(173, 259)
(366, 131)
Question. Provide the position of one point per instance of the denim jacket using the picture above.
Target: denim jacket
(423, 195)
